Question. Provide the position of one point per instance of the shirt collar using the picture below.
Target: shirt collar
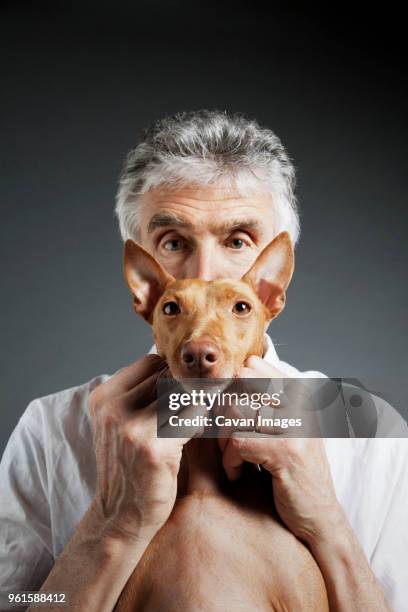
(270, 355)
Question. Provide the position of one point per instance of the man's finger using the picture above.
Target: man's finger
(142, 394)
(253, 447)
(133, 374)
(182, 430)
(232, 460)
(256, 367)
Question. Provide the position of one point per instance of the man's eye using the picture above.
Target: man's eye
(241, 308)
(171, 308)
(237, 243)
(173, 245)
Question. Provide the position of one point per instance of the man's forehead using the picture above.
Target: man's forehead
(171, 219)
(220, 209)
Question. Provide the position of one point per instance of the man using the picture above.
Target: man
(204, 192)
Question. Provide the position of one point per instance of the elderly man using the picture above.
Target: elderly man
(204, 192)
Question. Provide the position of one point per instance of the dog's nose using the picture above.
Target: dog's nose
(199, 356)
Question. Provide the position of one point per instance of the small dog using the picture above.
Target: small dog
(206, 329)
(197, 560)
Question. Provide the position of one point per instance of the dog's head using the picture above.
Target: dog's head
(206, 329)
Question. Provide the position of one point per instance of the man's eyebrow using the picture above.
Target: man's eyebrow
(166, 219)
(242, 224)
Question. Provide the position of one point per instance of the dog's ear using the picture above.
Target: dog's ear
(145, 277)
(271, 272)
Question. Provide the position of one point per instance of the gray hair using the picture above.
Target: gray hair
(208, 147)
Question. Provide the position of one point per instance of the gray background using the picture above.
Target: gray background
(80, 79)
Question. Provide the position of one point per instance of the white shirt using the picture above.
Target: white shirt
(48, 478)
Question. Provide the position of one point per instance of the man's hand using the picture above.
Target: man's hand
(302, 485)
(306, 501)
(136, 491)
(137, 472)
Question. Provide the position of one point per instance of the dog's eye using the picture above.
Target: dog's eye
(241, 308)
(171, 308)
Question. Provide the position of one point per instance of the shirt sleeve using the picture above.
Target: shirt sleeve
(25, 536)
(389, 559)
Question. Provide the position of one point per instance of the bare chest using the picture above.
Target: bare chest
(224, 550)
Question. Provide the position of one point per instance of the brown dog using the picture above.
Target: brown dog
(223, 547)
(208, 328)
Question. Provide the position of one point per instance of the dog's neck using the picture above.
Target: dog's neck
(201, 470)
